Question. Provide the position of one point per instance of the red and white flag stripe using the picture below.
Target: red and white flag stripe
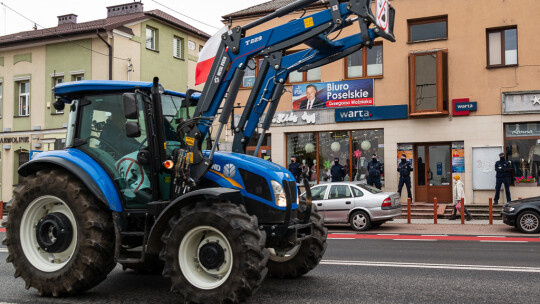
(206, 58)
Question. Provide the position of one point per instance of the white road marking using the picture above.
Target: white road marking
(423, 240)
(3, 250)
(388, 234)
(433, 266)
(493, 236)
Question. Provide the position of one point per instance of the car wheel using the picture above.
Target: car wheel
(528, 222)
(360, 221)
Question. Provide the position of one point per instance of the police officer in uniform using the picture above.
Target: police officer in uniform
(404, 169)
(502, 167)
(295, 169)
(374, 169)
(337, 171)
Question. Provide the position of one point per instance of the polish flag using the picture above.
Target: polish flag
(206, 58)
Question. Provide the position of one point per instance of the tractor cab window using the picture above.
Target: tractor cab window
(103, 130)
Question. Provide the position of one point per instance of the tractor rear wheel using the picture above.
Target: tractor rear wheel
(59, 237)
(300, 259)
(214, 253)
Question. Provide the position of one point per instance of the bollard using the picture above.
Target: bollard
(435, 210)
(519, 197)
(1, 210)
(490, 211)
(408, 210)
(462, 212)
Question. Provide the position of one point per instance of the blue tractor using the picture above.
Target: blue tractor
(141, 184)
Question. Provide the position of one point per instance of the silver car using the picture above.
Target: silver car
(352, 203)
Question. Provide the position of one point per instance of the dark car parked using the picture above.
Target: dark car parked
(524, 214)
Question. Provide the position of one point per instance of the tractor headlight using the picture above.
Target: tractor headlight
(279, 194)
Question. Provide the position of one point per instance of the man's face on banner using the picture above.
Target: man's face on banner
(310, 93)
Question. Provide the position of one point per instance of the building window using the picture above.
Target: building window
(365, 63)
(426, 29)
(58, 80)
(502, 47)
(200, 49)
(77, 77)
(151, 38)
(315, 151)
(178, 44)
(252, 70)
(312, 75)
(23, 158)
(522, 146)
(428, 82)
(24, 98)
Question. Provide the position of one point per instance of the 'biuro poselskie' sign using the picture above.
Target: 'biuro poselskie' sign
(336, 94)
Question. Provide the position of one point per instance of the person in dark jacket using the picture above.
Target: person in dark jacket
(295, 169)
(374, 169)
(404, 169)
(502, 167)
(337, 171)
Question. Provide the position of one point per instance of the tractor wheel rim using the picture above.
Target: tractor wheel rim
(36, 255)
(283, 255)
(203, 266)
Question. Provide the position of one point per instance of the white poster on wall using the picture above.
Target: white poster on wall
(484, 159)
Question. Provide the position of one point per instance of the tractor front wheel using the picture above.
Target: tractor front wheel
(214, 253)
(59, 237)
(300, 259)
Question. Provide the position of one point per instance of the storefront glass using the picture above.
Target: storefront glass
(522, 146)
(331, 145)
(365, 143)
(304, 147)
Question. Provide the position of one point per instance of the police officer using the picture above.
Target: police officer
(374, 169)
(337, 171)
(404, 169)
(295, 169)
(502, 167)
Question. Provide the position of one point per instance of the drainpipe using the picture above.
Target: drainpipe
(110, 53)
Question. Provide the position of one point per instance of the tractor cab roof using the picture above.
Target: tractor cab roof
(77, 87)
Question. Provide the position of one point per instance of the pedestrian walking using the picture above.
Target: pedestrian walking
(502, 167)
(404, 169)
(374, 169)
(337, 171)
(459, 193)
(295, 169)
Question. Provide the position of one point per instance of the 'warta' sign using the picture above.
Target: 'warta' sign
(463, 107)
(371, 113)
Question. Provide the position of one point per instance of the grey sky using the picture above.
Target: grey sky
(44, 12)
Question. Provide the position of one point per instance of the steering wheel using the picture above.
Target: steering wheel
(109, 145)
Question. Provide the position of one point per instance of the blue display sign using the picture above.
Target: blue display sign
(371, 113)
(465, 106)
(336, 94)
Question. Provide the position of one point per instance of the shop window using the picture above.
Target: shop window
(178, 48)
(365, 143)
(365, 62)
(427, 29)
(23, 103)
(428, 74)
(151, 38)
(332, 145)
(522, 146)
(502, 47)
(304, 147)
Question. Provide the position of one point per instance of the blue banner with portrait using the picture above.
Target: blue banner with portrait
(336, 94)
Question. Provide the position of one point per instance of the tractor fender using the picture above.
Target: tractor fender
(86, 169)
(154, 243)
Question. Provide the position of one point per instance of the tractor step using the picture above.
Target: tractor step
(129, 261)
(132, 233)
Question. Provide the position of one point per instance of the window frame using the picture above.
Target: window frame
(154, 38)
(1, 97)
(258, 61)
(304, 74)
(364, 63)
(27, 98)
(426, 20)
(442, 83)
(503, 57)
(55, 82)
(180, 47)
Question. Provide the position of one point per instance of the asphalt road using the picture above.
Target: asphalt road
(353, 271)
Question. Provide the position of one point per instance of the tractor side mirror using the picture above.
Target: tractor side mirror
(133, 129)
(59, 105)
(131, 110)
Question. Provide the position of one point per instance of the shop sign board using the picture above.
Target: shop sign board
(335, 94)
(371, 113)
(15, 140)
(463, 107)
(522, 129)
(521, 102)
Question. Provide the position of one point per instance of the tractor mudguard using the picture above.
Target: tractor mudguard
(86, 169)
(160, 226)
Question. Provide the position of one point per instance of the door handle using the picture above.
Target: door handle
(348, 203)
(319, 204)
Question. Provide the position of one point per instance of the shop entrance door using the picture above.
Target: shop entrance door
(433, 178)
(265, 152)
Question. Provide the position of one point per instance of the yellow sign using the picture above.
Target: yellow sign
(308, 22)
(189, 158)
(190, 141)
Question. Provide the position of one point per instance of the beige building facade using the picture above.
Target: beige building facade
(477, 54)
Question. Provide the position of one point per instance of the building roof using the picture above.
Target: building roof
(106, 24)
(264, 8)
